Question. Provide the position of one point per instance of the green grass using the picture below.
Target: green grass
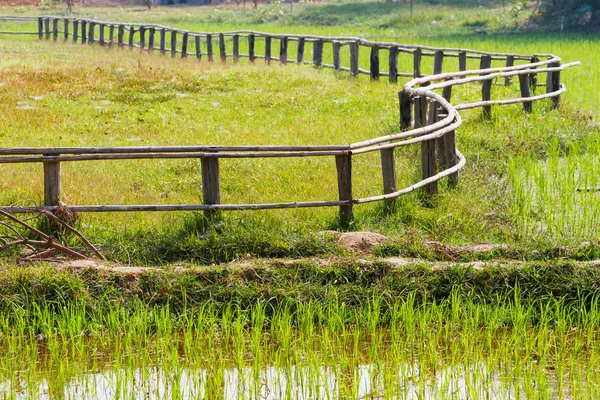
(415, 330)
(72, 95)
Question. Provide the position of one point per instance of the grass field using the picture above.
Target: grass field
(73, 95)
(335, 326)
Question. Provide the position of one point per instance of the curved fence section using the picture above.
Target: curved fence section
(426, 117)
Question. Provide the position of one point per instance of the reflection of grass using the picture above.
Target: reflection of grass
(308, 323)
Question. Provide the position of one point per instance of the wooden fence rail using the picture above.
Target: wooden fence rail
(426, 117)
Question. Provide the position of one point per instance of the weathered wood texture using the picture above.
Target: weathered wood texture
(343, 164)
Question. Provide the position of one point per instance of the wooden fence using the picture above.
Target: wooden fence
(426, 117)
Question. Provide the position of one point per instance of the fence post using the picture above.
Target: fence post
(184, 45)
(83, 32)
(41, 28)
(111, 35)
(55, 29)
(251, 53)
(75, 31)
(438, 62)
(121, 35)
(236, 48)
(388, 170)
(553, 83)
(405, 109)
(393, 64)
(417, 62)
(91, 38)
(51, 182)
(533, 77)
(374, 62)
(428, 158)
(209, 49)
(198, 49)
(222, 50)
(142, 38)
(283, 50)
(462, 61)
(354, 58)
(267, 49)
(47, 28)
(510, 61)
(131, 37)
(101, 35)
(151, 32)
(486, 95)
(163, 42)
(337, 64)
(525, 92)
(211, 191)
(173, 44)
(485, 63)
(300, 52)
(343, 164)
(318, 52)
(442, 151)
(66, 29)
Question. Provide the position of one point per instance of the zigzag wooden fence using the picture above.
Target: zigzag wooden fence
(426, 117)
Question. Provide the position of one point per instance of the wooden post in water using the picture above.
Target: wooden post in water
(374, 63)
(75, 31)
(393, 64)
(405, 109)
(151, 33)
(222, 50)
(462, 61)
(337, 63)
(267, 49)
(51, 183)
(510, 61)
(211, 191)
(388, 170)
(173, 44)
(525, 92)
(66, 29)
(354, 59)
(236, 48)
(251, 51)
(184, 44)
(300, 51)
(343, 164)
(428, 158)
(55, 29)
(318, 52)
(209, 48)
(417, 62)
(438, 62)
(283, 50)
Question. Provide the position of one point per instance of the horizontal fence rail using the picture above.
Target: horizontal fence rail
(426, 117)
